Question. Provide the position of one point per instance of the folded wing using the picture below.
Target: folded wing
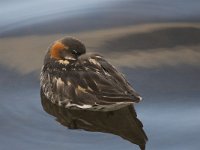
(90, 82)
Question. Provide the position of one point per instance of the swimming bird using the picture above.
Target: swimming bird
(72, 79)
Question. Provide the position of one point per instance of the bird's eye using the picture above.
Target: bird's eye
(74, 52)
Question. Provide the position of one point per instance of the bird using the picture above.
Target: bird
(73, 79)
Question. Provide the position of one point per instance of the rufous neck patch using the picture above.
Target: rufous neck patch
(56, 48)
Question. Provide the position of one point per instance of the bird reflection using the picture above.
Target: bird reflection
(122, 122)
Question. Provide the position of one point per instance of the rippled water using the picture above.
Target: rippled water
(47, 16)
(19, 13)
(170, 124)
(167, 76)
(26, 125)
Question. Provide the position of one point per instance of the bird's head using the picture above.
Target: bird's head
(67, 48)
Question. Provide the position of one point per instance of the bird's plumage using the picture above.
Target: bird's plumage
(87, 82)
(74, 80)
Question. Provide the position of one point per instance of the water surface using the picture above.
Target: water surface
(154, 43)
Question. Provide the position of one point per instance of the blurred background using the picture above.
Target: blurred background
(155, 43)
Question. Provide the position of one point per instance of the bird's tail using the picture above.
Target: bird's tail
(142, 147)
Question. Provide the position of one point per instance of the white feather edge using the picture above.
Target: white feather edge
(109, 107)
(84, 106)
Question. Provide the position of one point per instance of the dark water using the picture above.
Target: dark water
(166, 73)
